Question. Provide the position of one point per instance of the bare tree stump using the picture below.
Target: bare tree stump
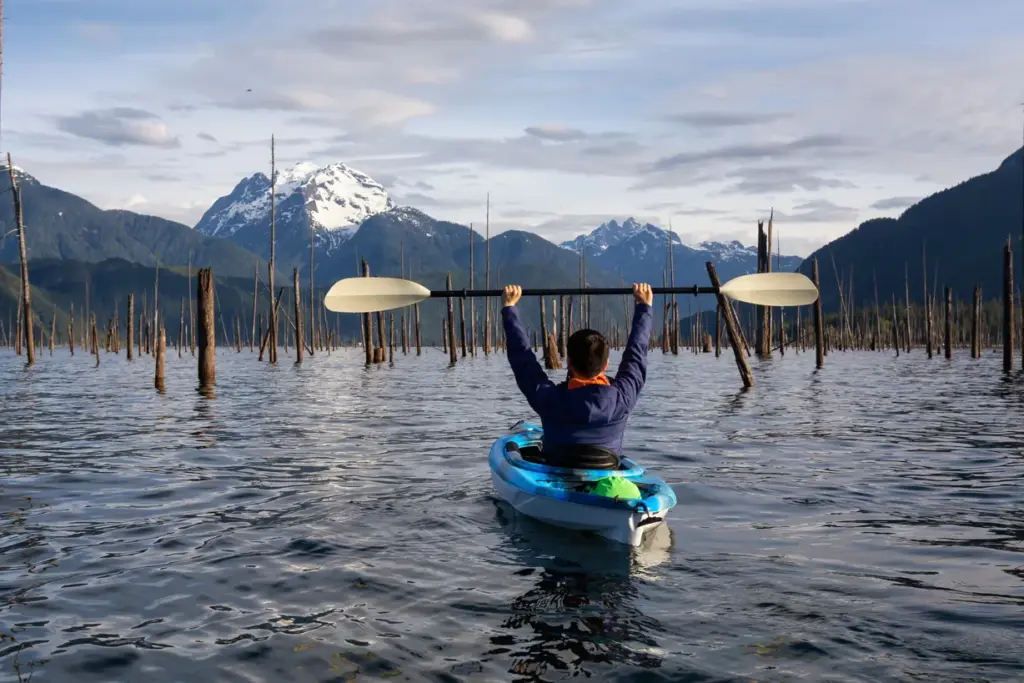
(207, 333)
(161, 354)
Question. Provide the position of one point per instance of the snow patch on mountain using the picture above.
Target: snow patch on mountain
(333, 199)
(728, 251)
(613, 233)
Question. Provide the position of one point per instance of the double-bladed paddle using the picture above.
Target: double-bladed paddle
(371, 294)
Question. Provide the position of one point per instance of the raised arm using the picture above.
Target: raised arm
(529, 374)
(632, 371)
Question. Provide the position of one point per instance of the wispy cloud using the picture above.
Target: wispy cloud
(119, 126)
(894, 203)
(568, 112)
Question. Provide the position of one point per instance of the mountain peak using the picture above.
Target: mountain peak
(333, 200)
(20, 174)
(612, 233)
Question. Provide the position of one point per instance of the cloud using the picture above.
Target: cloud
(781, 179)
(675, 208)
(725, 119)
(723, 105)
(556, 133)
(119, 126)
(818, 211)
(753, 151)
(418, 199)
(206, 136)
(895, 203)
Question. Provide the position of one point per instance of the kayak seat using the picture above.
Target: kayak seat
(571, 456)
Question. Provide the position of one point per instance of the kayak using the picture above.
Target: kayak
(559, 495)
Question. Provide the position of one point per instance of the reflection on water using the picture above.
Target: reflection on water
(329, 522)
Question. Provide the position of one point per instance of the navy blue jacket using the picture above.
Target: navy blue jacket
(592, 414)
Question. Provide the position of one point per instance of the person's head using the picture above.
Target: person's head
(587, 353)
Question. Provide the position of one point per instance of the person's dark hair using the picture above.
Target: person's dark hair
(587, 351)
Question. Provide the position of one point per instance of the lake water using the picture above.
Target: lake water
(333, 523)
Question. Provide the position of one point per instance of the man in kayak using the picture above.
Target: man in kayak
(585, 416)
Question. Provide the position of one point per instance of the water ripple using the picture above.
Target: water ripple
(328, 523)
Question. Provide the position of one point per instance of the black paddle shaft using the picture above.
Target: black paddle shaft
(578, 291)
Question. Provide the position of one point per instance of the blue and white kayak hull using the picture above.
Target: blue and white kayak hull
(551, 494)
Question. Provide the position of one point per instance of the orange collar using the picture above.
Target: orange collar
(577, 382)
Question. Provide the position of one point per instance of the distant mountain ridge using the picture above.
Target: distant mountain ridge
(959, 231)
(60, 225)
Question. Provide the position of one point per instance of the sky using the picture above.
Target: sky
(703, 114)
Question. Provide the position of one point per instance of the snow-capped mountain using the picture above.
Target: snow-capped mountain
(640, 251)
(333, 200)
(613, 233)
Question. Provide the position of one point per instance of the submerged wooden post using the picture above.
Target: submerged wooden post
(563, 329)
(555, 329)
(207, 333)
(298, 316)
(419, 342)
(551, 353)
(949, 323)
(718, 331)
(730, 325)
(367, 327)
(462, 324)
(401, 331)
(53, 329)
(452, 355)
(161, 354)
(391, 338)
(819, 337)
(544, 334)
(71, 330)
(95, 341)
(976, 324)
(380, 352)
(895, 327)
(1008, 312)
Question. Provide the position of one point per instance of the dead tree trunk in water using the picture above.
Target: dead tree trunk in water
(161, 354)
(976, 324)
(487, 278)
(419, 341)
(730, 325)
(255, 303)
(1008, 313)
(452, 355)
(131, 326)
(207, 333)
(381, 351)
(462, 324)
(26, 290)
(949, 323)
(181, 327)
(95, 340)
(298, 316)
(819, 336)
(367, 327)
(273, 262)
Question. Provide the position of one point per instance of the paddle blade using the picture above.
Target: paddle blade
(772, 289)
(370, 294)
